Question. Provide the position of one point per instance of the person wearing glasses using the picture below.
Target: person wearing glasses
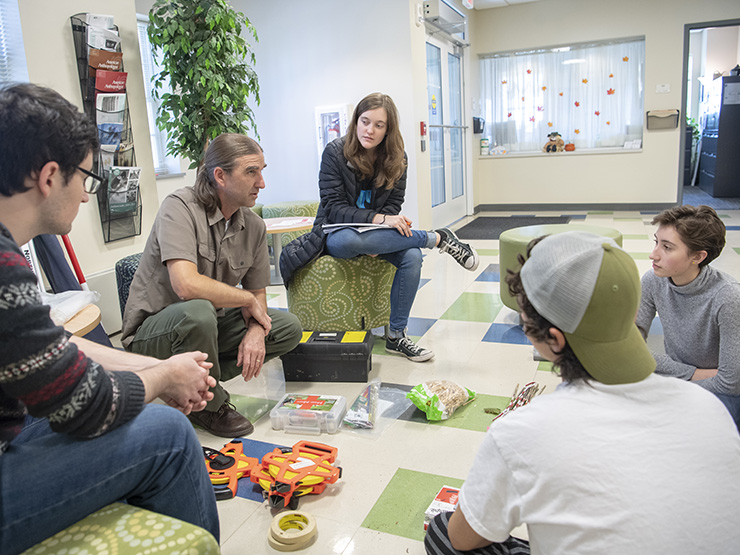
(67, 403)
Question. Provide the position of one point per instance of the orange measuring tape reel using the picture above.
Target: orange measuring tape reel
(226, 467)
(287, 475)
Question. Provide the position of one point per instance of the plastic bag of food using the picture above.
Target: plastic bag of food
(440, 398)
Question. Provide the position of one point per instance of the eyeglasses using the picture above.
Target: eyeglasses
(92, 182)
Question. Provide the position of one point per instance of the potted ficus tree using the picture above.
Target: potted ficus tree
(207, 75)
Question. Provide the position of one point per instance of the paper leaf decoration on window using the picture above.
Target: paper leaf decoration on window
(584, 81)
(531, 119)
(608, 122)
(540, 108)
(611, 75)
(626, 59)
(561, 94)
(597, 113)
(549, 124)
(503, 82)
(577, 131)
(610, 91)
(577, 104)
(544, 88)
(529, 72)
(509, 114)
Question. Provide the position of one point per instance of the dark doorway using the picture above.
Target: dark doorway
(710, 55)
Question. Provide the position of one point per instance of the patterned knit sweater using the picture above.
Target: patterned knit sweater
(44, 374)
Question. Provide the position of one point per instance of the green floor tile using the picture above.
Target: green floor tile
(474, 307)
(640, 255)
(252, 407)
(487, 252)
(635, 237)
(599, 212)
(472, 416)
(400, 508)
(272, 295)
(736, 249)
(544, 366)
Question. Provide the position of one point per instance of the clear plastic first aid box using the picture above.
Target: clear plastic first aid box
(308, 414)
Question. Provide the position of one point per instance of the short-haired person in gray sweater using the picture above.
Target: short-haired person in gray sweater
(699, 306)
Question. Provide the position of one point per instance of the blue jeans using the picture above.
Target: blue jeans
(401, 251)
(50, 481)
(732, 402)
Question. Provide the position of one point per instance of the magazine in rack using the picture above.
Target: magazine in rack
(358, 227)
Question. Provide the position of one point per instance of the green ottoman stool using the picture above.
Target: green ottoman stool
(513, 242)
(127, 530)
(338, 294)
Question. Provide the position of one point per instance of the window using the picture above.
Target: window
(591, 94)
(12, 55)
(163, 164)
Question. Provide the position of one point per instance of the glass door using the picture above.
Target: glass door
(446, 132)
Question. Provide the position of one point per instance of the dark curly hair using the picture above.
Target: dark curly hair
(38, 126)
(700, 229)
(538, 327)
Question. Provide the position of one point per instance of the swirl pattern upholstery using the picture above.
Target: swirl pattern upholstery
(294, 208)
(128, 530)
(125, 270)
(336, 294)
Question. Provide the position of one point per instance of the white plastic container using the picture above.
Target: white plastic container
(308, 414)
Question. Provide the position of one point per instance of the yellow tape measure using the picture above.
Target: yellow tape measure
(291, 531)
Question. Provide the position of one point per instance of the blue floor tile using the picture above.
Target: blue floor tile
(733, 228)
(491, 273)
(574, 216)
(423, 282)
(506, 333)
(257, 449)
(419, 326)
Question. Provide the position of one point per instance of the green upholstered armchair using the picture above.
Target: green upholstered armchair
(295, 208)
(336, 294)
(128, 530)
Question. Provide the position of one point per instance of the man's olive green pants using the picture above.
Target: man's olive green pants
(194, 326)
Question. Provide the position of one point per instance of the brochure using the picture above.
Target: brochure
(123, 189)
(110, 81)
(110, 107)
(103, 59)
(105, 39)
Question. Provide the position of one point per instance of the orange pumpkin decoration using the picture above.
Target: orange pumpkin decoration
(570, 147)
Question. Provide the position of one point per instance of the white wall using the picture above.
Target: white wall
(648, 177)
(50, 55)
(322, 53)
(721, 50)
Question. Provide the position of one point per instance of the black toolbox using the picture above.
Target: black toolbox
(334, 356)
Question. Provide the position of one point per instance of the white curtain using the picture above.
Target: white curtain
(591, 94)
(12, 55)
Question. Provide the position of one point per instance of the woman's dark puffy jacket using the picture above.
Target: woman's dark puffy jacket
(339, 188)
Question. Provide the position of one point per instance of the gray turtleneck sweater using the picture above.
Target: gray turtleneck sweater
(701, 326)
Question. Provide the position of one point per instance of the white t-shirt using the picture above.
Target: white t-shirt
(651, 467)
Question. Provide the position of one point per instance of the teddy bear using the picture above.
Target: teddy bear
(555, 143)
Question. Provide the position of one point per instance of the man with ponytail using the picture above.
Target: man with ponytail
(205, 242)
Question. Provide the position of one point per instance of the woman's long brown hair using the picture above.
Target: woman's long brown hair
(390, 162)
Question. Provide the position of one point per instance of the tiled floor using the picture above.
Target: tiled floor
(390, 475)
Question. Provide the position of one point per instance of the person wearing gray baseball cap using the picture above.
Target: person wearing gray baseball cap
(617, 459)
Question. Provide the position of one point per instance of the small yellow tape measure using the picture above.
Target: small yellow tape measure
(291, 531)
